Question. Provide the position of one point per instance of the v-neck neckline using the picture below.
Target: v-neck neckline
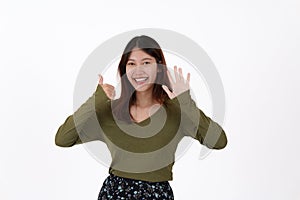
(147, 120)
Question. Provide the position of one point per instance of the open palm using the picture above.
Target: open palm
(179, 86)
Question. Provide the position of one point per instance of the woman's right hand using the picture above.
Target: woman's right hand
(108, 89)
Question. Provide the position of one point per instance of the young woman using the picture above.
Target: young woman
(143, 127)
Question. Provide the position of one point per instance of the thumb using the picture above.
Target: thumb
(100, 79)
(166, 89)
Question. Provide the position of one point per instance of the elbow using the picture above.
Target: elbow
(60, 140)
(215, 137)
(222, 141)
(61, 143)
(215, 141)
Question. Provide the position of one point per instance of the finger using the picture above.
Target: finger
(100, 79)
(188, 78)
(108, 86)
(107, 90)
(176, 73)
(111, 91)
(114, 94)
(111, 95)
(180, 74)
(170, 78)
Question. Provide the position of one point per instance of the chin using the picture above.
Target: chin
(143, 88)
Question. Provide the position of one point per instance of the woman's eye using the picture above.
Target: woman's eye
(147, 63)
(130, 63)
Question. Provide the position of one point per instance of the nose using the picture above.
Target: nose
(139, 67)
(138, 70)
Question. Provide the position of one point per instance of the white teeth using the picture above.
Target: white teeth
(140, 79)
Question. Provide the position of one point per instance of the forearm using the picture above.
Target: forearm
(199, 126)
(67, 135)
(83, 125)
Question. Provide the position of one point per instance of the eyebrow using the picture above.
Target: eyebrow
(142, 59)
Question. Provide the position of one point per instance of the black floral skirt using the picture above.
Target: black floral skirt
(115, 187)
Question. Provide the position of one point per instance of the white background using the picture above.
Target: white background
(255, 46)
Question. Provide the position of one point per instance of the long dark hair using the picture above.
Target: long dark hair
(121, 106)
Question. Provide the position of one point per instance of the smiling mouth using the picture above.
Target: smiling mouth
(140, 80)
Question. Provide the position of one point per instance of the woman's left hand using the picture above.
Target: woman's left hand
(179, 85)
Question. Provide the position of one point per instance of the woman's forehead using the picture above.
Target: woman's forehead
(139, 54)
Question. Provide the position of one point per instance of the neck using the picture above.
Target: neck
(144, 99)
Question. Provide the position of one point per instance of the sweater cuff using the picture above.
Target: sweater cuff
(184, 98)
(100, 94)
(100, 98)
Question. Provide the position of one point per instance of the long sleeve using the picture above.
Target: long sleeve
(199, 126)
(82, 126)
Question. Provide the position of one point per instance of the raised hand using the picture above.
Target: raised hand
(179, 85)
(108, 89)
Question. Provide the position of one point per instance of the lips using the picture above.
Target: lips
(140, 80)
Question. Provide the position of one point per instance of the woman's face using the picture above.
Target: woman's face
(141, 70)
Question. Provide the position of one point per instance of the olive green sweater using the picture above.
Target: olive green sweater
(141, 150)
